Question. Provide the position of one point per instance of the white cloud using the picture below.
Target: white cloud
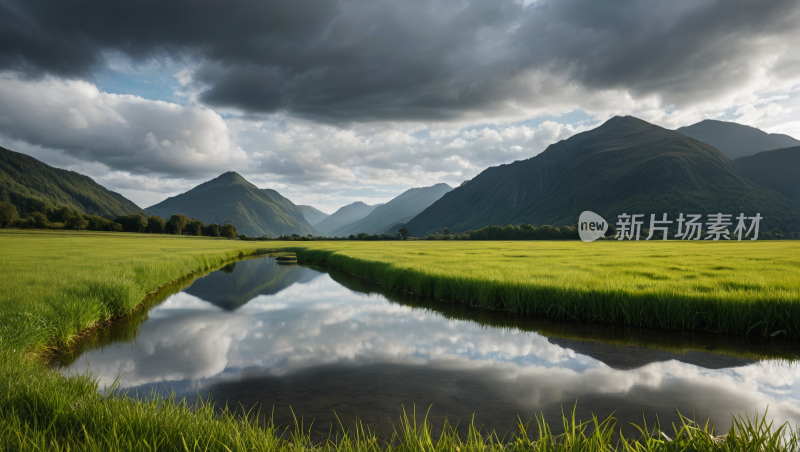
(791, 128)
(328, 166)
(124, 132)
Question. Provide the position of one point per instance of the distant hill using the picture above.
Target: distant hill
(399, 210)
(344, 216)
(231, 199)
(736, 140)
(312, 215)
(625, 165)
(32, 185)
(778, 170)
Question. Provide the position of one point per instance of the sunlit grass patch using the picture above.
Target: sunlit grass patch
(732, 287)
(70, 281)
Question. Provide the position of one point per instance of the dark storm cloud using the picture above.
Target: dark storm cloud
(67, 38)
(361, 60)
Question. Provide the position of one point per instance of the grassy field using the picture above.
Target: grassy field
(731, 287)
(56, 286)
(671, 341)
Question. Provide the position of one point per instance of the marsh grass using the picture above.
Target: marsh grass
(672, 341)
(729, 287)
(46, 411)
(57, 286)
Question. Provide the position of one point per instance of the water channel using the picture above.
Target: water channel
(258, 333)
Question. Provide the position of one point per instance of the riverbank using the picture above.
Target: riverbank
(728, 287)
(63, 283)
(56, 285)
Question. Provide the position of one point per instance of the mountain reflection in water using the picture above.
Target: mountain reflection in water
(232, 287)
(280, 336)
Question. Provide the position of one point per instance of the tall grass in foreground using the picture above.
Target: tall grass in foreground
(45, 411)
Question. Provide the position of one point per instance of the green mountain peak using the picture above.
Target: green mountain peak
(624, 165)
(230, 198)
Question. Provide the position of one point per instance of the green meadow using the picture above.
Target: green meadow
(730, 287)
(58, 286)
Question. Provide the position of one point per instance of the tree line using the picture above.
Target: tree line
(63, 217)
(544, 232)
(511, 232)
(547, 232)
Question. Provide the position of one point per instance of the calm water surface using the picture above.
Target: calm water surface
(260, 333)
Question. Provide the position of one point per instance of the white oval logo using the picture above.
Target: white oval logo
(591, 226)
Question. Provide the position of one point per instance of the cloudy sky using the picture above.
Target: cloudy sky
(334, 101)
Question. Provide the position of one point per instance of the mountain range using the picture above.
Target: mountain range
(624, 165)
(33, 186)
(312, 214)
(395, 213)
(344, 216)
(230, 198)
(736, 140)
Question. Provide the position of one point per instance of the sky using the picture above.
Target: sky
(335, 101)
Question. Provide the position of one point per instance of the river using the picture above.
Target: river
(301, 340)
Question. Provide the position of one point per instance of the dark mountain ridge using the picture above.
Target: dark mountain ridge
(624, 165)
(778, 170)
(736, 140)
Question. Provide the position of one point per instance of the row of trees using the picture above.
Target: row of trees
(293, 237)
(511, 232)
(177, 224)
(63, 217)
(51, 217)
(547, 232)
(365, 236)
